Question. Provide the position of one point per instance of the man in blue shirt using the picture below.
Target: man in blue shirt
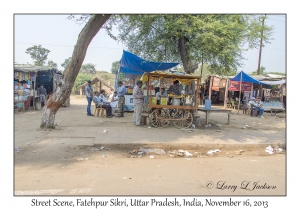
(121, 98)
(89, 97)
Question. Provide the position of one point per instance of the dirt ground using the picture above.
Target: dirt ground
(78, 158)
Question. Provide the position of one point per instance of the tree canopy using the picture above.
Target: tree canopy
(88, 68)
(115, 67)
(38, 54)
(52, 64)
(217, 40)
(66, 62)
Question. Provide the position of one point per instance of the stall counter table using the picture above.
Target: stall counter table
(214, 110)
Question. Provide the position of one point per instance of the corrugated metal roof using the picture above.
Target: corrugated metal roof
(32, 68)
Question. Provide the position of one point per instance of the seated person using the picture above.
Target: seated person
(175, 89)
(161, 93)
(257, 104)
(114, 102)
(100, 99)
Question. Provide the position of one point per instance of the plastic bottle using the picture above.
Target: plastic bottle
(207, 103)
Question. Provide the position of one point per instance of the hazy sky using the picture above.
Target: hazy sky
(59, 35)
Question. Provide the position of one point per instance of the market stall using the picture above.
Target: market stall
(173, 109)
(27, 78)
(132, 68)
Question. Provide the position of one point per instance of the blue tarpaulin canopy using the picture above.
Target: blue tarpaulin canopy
(132, 64)
(246, 78)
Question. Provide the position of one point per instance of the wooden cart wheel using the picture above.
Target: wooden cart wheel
(186, 119)
(152, 116)
(164, 117)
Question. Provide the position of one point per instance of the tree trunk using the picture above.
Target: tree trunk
(65, 88)
(186, 62)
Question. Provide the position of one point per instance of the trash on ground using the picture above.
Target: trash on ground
(104, 131)
(94, 149)
(18, 149)
(104, 156)
(133, 151)
(100, 121)
(209, 125)
(107, 149)
(211, 152)
(80, 159)
(134, 156)
(85, 159)
(279, 150)
(151, 150)
(241, 150)
(244, 127)
(151, 156)
(102, 148)
(269, 150)
(218, 125)
(140, 153)
(187, 154)
(139, 156)
(149, 126)
(193, 126)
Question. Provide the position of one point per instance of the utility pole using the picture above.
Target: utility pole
(260, 48)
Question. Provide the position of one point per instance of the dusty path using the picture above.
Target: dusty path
(64, 161)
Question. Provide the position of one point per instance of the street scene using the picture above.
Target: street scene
(168, 105)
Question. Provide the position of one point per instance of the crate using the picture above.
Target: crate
(154, 100)
(163, 101)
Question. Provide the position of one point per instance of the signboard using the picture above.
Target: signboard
(235, 86)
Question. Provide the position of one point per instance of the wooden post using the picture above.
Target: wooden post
(226, 94)
(210, 84)
(33, 102)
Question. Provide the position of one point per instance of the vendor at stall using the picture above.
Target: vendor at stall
(161, 93)
(175, 89)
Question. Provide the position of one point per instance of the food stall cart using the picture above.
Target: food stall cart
(175, 110)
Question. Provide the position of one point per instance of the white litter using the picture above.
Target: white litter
(206, 126)
(181, 151)
(246, 125)
(149, 126)
(151, 156)
(269, 150)
(211, 152)
(104, 131)
(100, 121)
(218, 125)
(193, 126)
(102, 148)
(188, 154)
(279, 150)
(209, 125)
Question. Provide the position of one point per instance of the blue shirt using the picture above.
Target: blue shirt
(87, 87)
(121, 91)
(41, 91)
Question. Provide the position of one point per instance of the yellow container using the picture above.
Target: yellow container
(153, 100)
(163, 101)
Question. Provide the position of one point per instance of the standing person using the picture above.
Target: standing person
(138, 100)
(89, 97)
(41, 92)
(121, 98)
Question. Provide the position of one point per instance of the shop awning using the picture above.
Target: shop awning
(246, 78)
(132, 64)
(279, 82)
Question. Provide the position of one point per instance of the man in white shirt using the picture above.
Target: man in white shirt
(258, 106)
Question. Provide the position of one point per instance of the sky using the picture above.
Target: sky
(59, 35)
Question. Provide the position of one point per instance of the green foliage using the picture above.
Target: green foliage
(66, 62)
(254, 31)
(115, 66)
(88, 68)
(262, 71)
(80, 79)
(217, 39)
(52, 64)
(38, 54)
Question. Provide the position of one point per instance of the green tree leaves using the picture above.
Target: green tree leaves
(38, 54)
(115, 66)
